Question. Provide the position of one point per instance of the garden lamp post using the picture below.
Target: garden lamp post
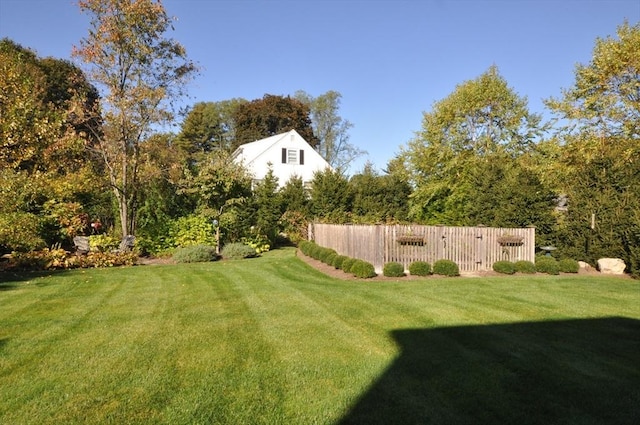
(216, 225)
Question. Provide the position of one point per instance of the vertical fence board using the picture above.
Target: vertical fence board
(472, 248)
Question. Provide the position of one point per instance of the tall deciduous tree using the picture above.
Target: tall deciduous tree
(331, 129)
(599, 165)
(140, 72)
(482, 118)
(272, 115)
(46, 175)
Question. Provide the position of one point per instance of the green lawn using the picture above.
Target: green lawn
(272, 341)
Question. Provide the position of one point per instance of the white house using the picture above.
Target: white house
(289, 154)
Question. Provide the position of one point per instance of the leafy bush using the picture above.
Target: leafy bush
(568, 265)
(238, 250)
(504, 267)
(103, 243)
(446, 268)
(524, 266)
(193, 230)
(338, 260)
(420, 268)
(547, 265)
(393, 269)
(347, 264)
(363, 269)
(258, 242)
(108, 259)
(195, 254)
(52, 259)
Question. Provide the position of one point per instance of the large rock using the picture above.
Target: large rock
(585, 266)
(611, 265)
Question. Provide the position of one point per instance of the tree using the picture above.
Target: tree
(208, 126)
(480, 119)
(47, 178)
(599, 164)
(379, 198)
(140, 73)
(330, 196)
(267, 204)
(221, 189)
(331, 130)
(269, 116)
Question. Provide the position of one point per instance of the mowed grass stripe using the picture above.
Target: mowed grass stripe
(270, 340)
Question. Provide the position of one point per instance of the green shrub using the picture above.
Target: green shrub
(103, 243)
(258, 242)
(305, 247)
(446, 268)
(325, 253)
(504, 267)
(568, 265)
(547, 265)
(237, 251)
(393, 269)
(338, 260)
(193, 230)
(330, 258)
(347, 264)
(524, 266)
(420, 268)
(315, 251)
(195, 254)
(363, 269)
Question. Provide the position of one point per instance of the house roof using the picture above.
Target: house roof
(251, 151)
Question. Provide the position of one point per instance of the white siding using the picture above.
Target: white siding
(257, 155)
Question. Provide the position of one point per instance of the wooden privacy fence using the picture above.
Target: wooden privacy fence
(472, 248)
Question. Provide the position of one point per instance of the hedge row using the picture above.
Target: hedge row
(363, 269)
(358, 268)
(544, 264)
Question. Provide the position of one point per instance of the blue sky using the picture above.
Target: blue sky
(390, 59)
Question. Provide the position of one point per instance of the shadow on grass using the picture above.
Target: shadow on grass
(10, 279)
(561, 372)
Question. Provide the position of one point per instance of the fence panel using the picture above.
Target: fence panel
(472, 248)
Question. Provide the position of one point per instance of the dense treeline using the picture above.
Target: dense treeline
(480, 158)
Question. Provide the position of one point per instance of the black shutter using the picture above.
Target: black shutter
(301, 157)
(284, 155)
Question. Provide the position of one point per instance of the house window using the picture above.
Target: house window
(292, 156)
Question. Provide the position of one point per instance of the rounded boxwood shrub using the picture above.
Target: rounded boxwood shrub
(568, 265)
(547, 265)
(504, 267)
(347, 264)
(363, 269)
(305, 247)
(195, 254)
(420, 268)
(338, 260)
(446, 268)
(329, 259)
(524, 266)
(238, 250)
(393, 269)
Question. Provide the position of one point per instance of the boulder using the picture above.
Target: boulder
(611, 265)
(585, 266)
